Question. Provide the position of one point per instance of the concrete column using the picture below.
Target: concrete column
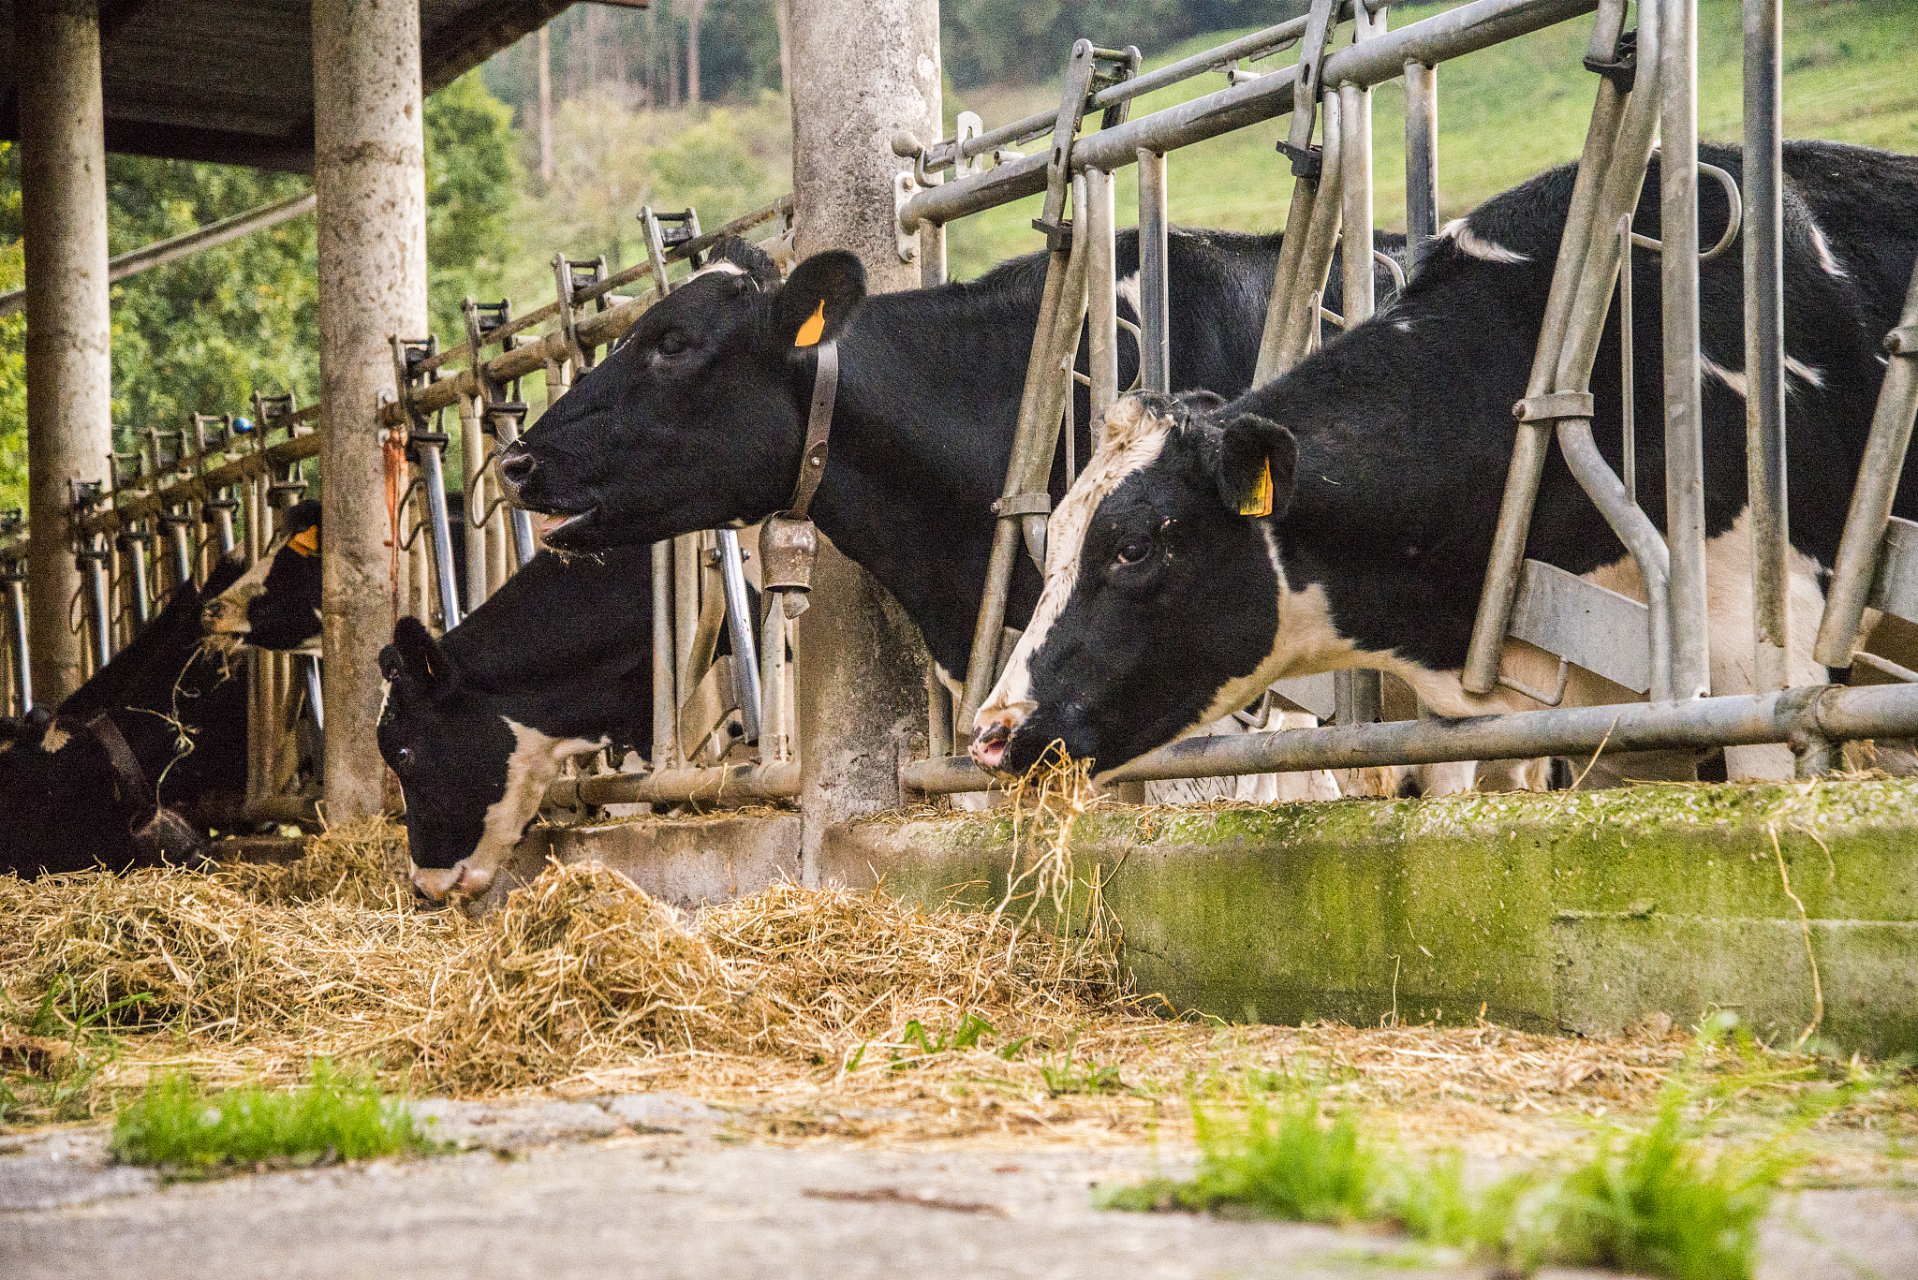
(862, 70)
(369, 172)
(69, 359)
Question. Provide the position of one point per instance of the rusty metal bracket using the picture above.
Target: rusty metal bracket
(1088, 70)
(1320, 24)
(1023, 504)
(665, 232)
(1552, 407)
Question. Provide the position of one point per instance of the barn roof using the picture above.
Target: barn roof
(232, 80)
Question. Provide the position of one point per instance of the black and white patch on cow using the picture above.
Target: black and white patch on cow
(65, 806)
(276, 602)
(712, 388)
(476, 724)
(1387, 453)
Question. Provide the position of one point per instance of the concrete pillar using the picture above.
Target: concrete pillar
(69, 359)
(862, 70)
(369, 171)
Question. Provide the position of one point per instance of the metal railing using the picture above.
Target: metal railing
(721, 723)
(1645, 89)
(186, 496)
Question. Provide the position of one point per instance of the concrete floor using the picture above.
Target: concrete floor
(650, 1185)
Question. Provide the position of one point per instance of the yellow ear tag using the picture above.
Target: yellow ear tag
(814, 329)
(306, 542)
(1260, 501)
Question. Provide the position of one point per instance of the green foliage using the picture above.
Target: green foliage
(176, 1124)
(54, 1054)
(1653, 1205)
(473, 181)
(989, 40)
(201, 334)
(609, 159)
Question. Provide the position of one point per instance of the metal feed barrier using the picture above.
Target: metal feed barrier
(722, 724)
(169, 508)
(191, 495)
(724, 728)
(1647, 87)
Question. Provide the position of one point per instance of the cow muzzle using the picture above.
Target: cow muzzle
(992, 732)
(438, 884)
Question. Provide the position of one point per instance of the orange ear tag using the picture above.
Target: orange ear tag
(814, 329)
(1259, 502)
(306, 542)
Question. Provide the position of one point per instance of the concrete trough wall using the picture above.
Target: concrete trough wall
(1564, 912)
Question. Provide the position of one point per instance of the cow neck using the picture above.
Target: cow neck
(907, 497)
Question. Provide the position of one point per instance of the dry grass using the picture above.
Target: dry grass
(809, 1011)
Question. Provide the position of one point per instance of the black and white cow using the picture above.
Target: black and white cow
(1387, 453)
(698, 419)
(475, 725)
(67, 804)
(276, 604)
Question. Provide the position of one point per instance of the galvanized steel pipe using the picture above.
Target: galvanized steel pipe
(1795, 716)
(1765, 349)
(1454, 32)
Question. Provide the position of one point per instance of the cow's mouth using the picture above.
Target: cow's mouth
(989, 745)
(560, 528)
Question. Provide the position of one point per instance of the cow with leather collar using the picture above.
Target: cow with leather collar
(698, 418)
(138, 764)
(1342, 515)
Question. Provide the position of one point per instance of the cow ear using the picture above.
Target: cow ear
(1258, 464)
(813, 304)
(418, 656)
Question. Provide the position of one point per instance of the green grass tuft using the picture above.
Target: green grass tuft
(176, 1124)
(1281, 1162)
(1653, 1205)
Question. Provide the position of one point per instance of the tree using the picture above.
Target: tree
(201, 334)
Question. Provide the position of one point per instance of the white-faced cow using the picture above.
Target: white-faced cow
(1387, 453)
(475, 725)
(136, 765)
(699, 418)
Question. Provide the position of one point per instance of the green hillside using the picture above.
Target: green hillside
(1851, 74)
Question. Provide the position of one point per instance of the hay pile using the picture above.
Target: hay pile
(255, 969)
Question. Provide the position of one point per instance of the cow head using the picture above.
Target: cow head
(698, 418)
(472, 773)
(276, 603)
(1164, 602)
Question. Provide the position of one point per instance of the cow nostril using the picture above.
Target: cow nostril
(516, 467)
(993, 734)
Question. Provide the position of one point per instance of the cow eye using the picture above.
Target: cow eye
(1134, 551)
(403, 757)
(672, 343)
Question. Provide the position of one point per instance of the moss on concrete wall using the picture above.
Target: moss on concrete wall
(1580, 912)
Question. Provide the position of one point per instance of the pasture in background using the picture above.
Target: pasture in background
(1505, 115)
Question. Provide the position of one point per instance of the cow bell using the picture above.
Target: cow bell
(787, 547)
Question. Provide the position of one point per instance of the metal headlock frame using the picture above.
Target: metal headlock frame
(208, 474)
(1647, 87)
(221, 474)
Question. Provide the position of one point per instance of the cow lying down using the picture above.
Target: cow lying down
(138, 763)
(1387, 453)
